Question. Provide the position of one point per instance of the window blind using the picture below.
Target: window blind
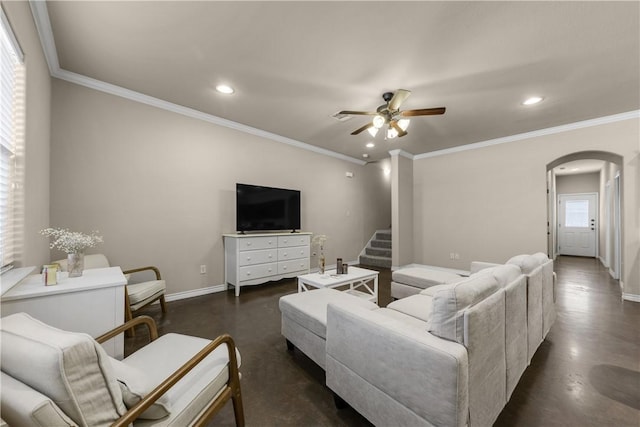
(12, 108)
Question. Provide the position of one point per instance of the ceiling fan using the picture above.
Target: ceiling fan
(389, 114)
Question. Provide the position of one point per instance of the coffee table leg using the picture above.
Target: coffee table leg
(375, 289)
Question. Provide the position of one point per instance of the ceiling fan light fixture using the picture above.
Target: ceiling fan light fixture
(391, 133)
(373, 131)
(378, 121)
(404, 124)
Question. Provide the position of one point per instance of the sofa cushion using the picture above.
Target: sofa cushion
(135, 385)
(407, 321)
(527, 263)
(423, 277)
(24, 406)
(309, 309)
(418, 306)
(72, 369)
(504, 274)
(447, 314)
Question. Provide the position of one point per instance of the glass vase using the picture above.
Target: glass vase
(321, 263)
(75, 264)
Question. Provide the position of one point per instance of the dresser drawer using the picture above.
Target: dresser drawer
(293, 253)
(251, 243)
(294, 265)
(293, 240)
(257, 257)
(257, 271)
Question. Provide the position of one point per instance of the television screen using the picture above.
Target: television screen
(265, 208)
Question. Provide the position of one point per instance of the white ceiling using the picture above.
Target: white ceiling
(579, 167)
(294, 64)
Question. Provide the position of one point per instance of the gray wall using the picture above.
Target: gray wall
(490, 203)
(35, 159)
(160, 186)
(579, 183)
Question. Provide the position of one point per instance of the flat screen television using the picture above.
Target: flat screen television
(261, 208)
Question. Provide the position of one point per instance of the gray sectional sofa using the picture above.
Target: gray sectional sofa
(450, 355)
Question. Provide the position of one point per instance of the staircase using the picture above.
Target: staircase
(378, 251)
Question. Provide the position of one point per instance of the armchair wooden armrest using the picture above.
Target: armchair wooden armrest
(153, 330)
(137, 270)
(230, 391)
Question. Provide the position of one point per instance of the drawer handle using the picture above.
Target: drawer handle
(248, 243)
(248, 273)
(284, 267)
(269, 270)
(270, 256)
(284, 254)
(248, 258)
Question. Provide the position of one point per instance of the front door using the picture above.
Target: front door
(577, 224)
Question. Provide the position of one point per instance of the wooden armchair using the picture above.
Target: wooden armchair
(55, 377)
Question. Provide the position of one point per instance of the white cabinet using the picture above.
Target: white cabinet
(252, 259)
(92, 303)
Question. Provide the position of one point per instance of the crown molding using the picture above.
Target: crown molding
(43, 25)
(533, 134)
(402, 153)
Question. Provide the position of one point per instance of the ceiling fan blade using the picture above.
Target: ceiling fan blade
(359, 113)
(394, 124)
(423, 112)
(360, 129)
(398, 99)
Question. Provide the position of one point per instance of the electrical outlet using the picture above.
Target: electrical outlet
(457, 255)
(203, 269)
(452, 255)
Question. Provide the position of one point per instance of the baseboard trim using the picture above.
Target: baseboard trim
(195, 293)
(631, 297)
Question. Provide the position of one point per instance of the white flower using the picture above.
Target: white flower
(71, 241)
(319, 240)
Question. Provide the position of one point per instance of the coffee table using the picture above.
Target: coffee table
(357, 282)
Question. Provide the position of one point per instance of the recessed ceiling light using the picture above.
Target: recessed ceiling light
(532, 100)
(365, 155)
(370, 145)
(227, 90)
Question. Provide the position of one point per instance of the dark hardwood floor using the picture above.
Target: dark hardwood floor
(586, 373)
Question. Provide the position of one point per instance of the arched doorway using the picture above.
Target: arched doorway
(610, 204)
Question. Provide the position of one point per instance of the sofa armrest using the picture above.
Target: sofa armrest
(481, 265)
(425, 374)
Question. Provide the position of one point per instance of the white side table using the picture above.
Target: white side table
(92, 303)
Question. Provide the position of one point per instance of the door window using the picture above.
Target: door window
(576, 213)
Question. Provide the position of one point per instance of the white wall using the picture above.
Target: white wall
(160, 186)
(490, 203)
(35, 249)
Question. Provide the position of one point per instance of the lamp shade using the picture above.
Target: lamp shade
(378, 121)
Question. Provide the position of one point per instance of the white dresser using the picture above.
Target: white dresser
(252, 259)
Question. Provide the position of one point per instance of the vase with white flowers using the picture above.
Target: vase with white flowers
(73, 243)
(319, 240)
